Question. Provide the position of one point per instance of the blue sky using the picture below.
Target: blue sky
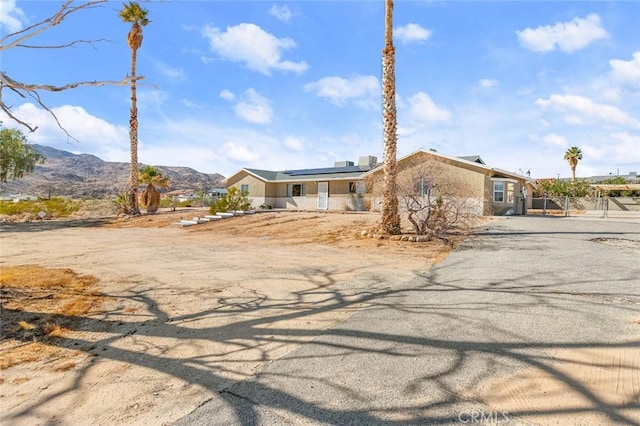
(289, 85)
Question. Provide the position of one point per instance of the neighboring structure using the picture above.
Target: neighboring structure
(344, 186)
(18, 197)
(186, 195)
(632, 177)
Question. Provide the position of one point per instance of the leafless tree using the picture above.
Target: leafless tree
(432, 199)
(23, 39)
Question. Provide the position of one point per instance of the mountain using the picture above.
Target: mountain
(85, 175)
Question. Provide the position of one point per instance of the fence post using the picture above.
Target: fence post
(544, 205)
(566, 205)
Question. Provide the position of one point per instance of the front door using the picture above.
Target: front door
(323, 195)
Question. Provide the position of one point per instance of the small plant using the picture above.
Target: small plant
(150, 197)
(121, 202)
(54, 207)
(234, 199)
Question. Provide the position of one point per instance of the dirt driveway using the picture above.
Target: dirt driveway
(531, 321)
(189, 311)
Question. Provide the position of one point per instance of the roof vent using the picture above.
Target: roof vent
(367, 161)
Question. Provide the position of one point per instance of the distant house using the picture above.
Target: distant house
(348, 186)
(196, 196)
(18, 197)
(181, 195)
(215, 193)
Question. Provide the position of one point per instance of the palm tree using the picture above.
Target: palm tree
(390, 215)
(573, 155)
(137, 16)
(150, 197)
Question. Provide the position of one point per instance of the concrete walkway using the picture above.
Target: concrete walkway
(514, 298)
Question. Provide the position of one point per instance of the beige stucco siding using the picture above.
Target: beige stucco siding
(257, 187)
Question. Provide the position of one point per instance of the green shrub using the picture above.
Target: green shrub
(232, 200)
(54, 207)
(579, 188)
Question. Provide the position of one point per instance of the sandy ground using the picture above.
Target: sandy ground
(189, 311)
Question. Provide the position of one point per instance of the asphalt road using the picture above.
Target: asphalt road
(502, 302)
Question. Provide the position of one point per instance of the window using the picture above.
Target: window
(422, 186)
(296, 190)
(244, 188)
(498, 192)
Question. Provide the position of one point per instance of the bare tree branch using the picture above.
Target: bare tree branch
(62, 46)
(27, 90)
(33, 30)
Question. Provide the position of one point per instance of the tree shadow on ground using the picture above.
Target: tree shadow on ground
(450, 331)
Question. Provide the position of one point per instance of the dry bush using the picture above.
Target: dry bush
(433, 201)
(40, 305)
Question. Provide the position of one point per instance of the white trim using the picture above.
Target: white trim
(504, 179)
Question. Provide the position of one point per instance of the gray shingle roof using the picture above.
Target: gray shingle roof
(328, 173)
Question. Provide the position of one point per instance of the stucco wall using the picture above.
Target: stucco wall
(256, 186)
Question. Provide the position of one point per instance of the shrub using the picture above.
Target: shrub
(54, 207)
(232, 200)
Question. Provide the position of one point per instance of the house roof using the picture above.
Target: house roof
(360, 172)
(473, 159)
(493, 171)
(328, 173)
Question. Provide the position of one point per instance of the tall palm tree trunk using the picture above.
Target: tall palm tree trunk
(133, 136)
(390, 215)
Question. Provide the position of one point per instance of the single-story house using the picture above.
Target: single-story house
(348, 186)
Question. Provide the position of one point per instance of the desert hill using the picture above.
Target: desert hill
(85, 175)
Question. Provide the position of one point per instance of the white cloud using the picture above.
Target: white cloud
(627, 72)
(338, 90)
(293, 143)
(411, 33)
(423, 110)
(190, 104)
(621, 148)
(566, 36)
(238, 152)
(11, 17)
(577, 108)
(624, 147)
(169, 71)
(93, 134)
(282, 13)
(257, 49)
(151, 98)
(486, 83)
(555, 141)
(227, 94)
(254, 108)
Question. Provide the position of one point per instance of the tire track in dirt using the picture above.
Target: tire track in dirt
(584, 386)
